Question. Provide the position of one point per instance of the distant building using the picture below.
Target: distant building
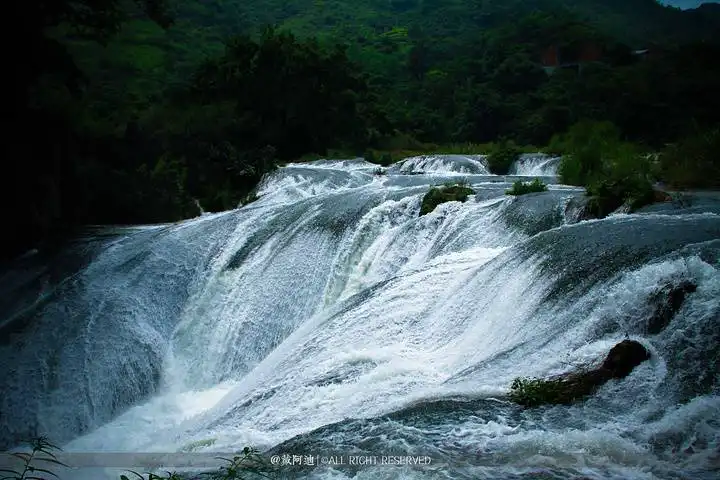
(554, 57)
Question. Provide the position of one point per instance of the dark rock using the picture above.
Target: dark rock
(667, 301)
(660, 196)
(624, 357)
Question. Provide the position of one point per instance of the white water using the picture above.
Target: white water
(330, 299)
(535, 165)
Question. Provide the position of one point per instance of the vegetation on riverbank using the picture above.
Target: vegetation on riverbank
(618, 173)
(122, 114)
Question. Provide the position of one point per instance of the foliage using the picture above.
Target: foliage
(41, 451)
(614, 172)
(135, 116)
(247, 465)
(502, 156)
(521, 188)
(384, 159)
(534, 392)
(693, 161)
(585, 147)
(448, 193)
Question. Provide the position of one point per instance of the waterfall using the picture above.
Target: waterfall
(329, 316)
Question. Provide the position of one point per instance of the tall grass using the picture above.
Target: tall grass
(246, 465)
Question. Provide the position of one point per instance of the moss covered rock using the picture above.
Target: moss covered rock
(448, 193)
(523, 188)
(566, 389)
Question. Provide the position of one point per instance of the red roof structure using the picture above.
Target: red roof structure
(554, 57)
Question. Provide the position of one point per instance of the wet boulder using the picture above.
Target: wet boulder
(572, 387)
(660, 196)
(666, 303)
(623, 358)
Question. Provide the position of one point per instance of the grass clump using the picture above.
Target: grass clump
(447, 193)
(502, 155)
(533, 392)
(522, 188)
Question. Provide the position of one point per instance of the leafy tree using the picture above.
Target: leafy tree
(502, 156)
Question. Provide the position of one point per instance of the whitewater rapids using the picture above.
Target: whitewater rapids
(329, 317)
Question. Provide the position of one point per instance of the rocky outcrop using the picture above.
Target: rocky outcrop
(666, 303)
(566, 389)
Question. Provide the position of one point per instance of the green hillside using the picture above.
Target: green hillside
(381, 33)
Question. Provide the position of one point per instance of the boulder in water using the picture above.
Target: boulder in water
(447, 193)
(623, 358)
(569, 388)
(660, 196)
(667, 301)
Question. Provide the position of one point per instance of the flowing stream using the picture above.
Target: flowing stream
(329, 317)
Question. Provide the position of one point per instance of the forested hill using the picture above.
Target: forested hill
(134, 111)
(388, 38)
(374, 26)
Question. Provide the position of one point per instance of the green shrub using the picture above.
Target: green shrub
(521, 188)
(585, 148)
(501, 157)
(625, 179)
(607, 195)
(384, 159)
(614, 172)
(438, 195)
(693, 161)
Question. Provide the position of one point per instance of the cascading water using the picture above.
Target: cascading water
(536, 165)
(329, 317)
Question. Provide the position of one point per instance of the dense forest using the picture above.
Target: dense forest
(145, 110)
